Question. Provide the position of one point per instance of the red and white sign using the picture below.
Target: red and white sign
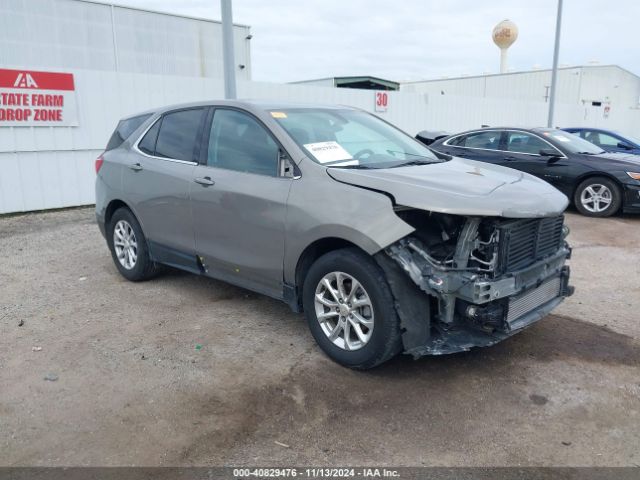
(32, 99)
(381, 101)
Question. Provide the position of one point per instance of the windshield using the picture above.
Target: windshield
(630, 138)
(571, 142)
(351, 139)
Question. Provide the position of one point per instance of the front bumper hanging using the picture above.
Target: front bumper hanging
(473, 310)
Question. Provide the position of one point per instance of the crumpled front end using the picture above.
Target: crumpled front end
(462, 282)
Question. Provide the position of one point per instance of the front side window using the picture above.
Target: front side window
(238, 142)
(350, 138)
(178, 134)
(602, 139)
(489, 140)
(521, 142)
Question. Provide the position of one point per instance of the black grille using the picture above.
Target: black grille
(524, 242)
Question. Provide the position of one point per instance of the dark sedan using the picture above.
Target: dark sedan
(598, 183)
(608, 140)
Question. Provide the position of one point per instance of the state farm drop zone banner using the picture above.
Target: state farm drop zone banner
(32, 99)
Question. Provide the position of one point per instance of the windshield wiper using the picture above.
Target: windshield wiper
(409, 163)
(355, 167)
(407, 153)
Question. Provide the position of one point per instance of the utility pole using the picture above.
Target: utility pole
(228, 50)
(554, 71)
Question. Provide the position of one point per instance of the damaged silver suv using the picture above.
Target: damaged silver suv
(385, 246)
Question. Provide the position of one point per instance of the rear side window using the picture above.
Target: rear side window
(178, 134)
(124, 129)
(489, 140)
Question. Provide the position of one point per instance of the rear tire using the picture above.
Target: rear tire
(367, 315)
(129, 248)
(598, 197)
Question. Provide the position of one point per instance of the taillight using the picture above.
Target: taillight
(99, 162)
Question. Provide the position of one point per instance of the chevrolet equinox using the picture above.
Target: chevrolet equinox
(385, 246)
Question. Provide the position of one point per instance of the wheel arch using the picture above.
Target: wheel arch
(307, 258)
(114, 205)
(111, 209)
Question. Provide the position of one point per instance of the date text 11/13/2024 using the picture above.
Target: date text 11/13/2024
(367, 472)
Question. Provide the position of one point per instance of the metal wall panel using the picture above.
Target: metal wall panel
(56, 33)
(42, 180)
(575, 85)
(78, 34)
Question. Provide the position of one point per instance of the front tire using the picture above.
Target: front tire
(598, 197)
(350, 309)
(128, 247)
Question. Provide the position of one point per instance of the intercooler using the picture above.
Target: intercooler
(534, 298)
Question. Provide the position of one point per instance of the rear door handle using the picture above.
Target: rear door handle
(206, 181)
(135, 167)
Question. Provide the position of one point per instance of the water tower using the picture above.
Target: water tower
(504, 34)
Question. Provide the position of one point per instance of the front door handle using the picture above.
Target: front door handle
(136, 167)
(205, 181)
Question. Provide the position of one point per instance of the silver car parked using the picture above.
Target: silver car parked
(385, 246)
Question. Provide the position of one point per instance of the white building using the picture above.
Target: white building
(593, 86)
(82, 34)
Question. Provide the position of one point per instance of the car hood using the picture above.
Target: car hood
(461, 187)
(622, 160)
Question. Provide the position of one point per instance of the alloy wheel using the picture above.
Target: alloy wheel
(596, 198)
(125, 244)
(344, 310)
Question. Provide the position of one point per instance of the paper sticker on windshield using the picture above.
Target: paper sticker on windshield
(278, 115)
(326, 152)
(562, 138)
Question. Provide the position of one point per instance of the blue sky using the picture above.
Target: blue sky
(415, 39)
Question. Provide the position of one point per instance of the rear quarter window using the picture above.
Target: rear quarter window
(124, 130)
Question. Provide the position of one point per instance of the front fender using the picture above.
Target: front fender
(327, 209)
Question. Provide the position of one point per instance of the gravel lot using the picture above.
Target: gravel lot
(134, 388)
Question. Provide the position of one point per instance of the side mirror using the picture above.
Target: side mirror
(624, 146)
(428, 137)
(548, 152)
(551, 154)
